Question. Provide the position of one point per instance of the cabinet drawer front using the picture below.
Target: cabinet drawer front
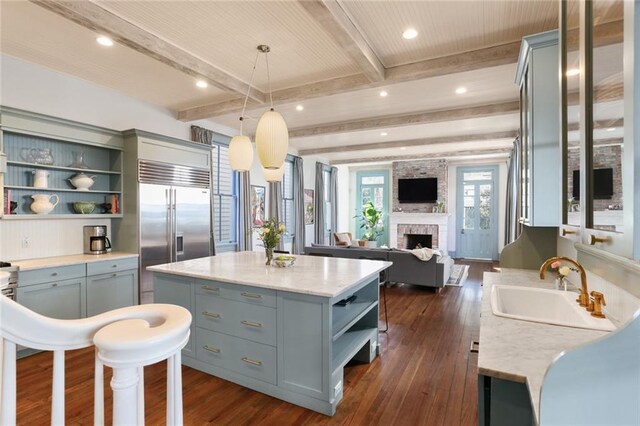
(242, 356)
(106, 266)
(256, 323)
(253, 295)
(47, 275)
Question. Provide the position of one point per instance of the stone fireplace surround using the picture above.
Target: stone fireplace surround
(436, 224)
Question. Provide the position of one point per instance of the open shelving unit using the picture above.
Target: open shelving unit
(104, 166)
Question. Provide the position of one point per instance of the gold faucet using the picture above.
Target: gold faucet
(583, 299)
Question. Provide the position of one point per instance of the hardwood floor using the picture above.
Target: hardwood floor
(425, 375)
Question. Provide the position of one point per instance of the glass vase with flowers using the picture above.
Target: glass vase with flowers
(270, 235)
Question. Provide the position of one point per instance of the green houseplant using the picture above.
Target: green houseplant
(371, 222)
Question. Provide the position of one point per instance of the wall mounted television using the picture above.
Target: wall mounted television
(602, 184)
(418, 190)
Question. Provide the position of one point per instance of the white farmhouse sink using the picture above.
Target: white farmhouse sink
(555, 307)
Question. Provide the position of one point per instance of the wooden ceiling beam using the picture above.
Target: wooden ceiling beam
(511, 134)
(462, 62)
(338, 25)
(480, 111)
(95, 18)
(449, 154)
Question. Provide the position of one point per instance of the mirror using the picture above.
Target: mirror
(607, 111)
(571, 103)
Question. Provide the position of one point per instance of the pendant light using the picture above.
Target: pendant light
(272, 135)
(273, 175)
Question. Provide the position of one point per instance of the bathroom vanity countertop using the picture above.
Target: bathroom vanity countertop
(521, 351)
(73, 259)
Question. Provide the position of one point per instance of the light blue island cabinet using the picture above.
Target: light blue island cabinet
(280, 331)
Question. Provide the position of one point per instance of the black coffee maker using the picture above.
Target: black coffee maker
(95, 240)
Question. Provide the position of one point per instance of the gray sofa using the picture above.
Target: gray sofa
(406, 267)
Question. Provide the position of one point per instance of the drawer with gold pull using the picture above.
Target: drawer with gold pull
(252, 295)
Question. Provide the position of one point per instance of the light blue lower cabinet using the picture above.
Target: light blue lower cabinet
(286, 346)
(58, 299)
(111, 291)
(503, 403)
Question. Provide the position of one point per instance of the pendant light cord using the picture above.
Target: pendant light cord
(266, 55)
(246, 98)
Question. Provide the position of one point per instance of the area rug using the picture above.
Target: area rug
(459, 274)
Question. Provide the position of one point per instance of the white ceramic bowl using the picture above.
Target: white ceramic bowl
(82, 182)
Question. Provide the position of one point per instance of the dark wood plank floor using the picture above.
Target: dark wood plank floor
(424, 376)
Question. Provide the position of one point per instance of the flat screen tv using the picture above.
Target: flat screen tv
(420, 190)
(602, 184)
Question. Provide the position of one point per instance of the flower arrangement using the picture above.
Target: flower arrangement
(562, 272)
(270, 235)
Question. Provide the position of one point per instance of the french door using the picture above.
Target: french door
(373, 185)
(477, 212)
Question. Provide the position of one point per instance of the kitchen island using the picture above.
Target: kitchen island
(286, 332)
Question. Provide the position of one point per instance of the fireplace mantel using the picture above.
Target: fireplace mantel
(440, 219)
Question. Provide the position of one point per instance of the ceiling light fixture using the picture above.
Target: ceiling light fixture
(202, 84)
(273, 175)
(299, 108)
(383, 133)
(383, 94)
(403, 148)
(410, 33)
(461, 90)
(573, 72)
(104, 41)
(272, 135)
(611, 129)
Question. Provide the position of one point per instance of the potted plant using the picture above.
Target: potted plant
(371, 223)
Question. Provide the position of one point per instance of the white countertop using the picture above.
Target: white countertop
(319, 276)
(521, 351)
(4, 279)
(74, 259)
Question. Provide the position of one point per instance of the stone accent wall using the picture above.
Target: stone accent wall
(419, 169)
(605, 157)
(406, 228)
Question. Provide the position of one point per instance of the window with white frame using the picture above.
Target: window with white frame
(288, 217)
(225, 198)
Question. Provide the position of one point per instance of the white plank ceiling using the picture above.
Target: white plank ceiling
(304, 50)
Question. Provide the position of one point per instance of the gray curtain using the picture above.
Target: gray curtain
(205, 136)
(512, 224)
(318, 216)
(298, 207)
(333, 198)
(275, 205)
(245, 240)
(201, 135)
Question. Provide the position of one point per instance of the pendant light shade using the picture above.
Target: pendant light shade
(273, 175)
(240, 153)
(272, 140)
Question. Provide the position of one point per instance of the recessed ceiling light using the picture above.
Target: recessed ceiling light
(611, 129)
(461, 90)
(383, 133)
(410, 33)
(383, 94)
(104, 41)
(403, 148)
(299, 108)
(202, 84)
(572, 72)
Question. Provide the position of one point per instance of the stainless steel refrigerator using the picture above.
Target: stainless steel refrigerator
(175, 217)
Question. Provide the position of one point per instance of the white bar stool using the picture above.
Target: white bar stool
(127, 346)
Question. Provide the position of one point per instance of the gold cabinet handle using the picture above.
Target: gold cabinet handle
(252, 324)
(54, 285)
(54, 274)
(566, 232)
(252, 295)
(595, 240)
(211, 314)
(207, 288)
(211, 349)
(114, 266)
(251, 361)
(114, 275)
